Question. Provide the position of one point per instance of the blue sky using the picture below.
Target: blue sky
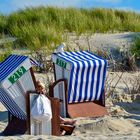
(8, 6)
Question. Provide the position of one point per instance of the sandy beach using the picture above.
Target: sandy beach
(99, 40)
(123, 105)
(123, 121)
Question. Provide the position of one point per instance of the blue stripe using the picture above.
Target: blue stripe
(6, 102)
(87, 55)
(75, 56)
(84, 57)
(6, 99)
(34, 62)
(104, 74)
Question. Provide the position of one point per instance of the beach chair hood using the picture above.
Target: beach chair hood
(87, 74)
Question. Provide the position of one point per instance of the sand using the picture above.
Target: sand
(123, 121)
(99, 40)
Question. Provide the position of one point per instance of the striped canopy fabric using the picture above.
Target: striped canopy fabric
(8, 95)
(87, 76)
(10, 105)
(9, 64)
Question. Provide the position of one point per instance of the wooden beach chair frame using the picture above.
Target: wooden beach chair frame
(55, 121)
(52, 93)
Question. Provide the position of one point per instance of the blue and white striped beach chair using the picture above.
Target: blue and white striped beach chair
(15, 81)
(85, 74)
(17, 93)
(16, 78)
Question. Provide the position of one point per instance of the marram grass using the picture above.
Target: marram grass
(45, 26)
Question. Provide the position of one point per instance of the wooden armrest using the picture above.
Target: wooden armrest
(55, 116)
(67, 128)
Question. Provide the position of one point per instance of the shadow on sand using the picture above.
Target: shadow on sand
(133, 108)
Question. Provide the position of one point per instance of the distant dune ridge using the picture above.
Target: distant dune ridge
(102, 41)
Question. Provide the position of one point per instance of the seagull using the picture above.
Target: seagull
(60, 48)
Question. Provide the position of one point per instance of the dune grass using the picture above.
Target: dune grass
(46, 26)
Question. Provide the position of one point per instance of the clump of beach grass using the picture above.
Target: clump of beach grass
(47, 27)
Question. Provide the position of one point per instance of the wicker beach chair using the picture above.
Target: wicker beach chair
(16, 79)
(84, 73)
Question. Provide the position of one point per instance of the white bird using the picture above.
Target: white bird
(60, 48)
